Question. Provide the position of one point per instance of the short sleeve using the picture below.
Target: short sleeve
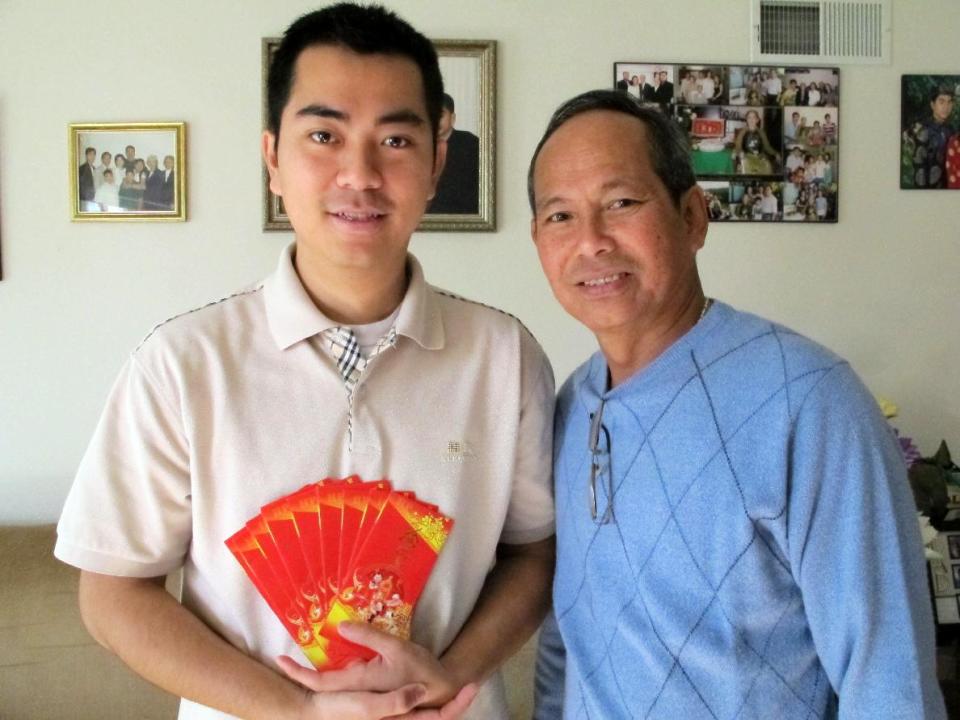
(530, 516)
(128, 511)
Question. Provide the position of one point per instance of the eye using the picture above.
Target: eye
(395, 141)
(622, 203)
(321, 136)
(558, 217)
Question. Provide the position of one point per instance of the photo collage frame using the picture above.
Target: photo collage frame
(764, 140)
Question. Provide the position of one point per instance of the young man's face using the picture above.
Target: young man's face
(941, 108)
(91, 156)
(355, 161)
(131, 152)
(168, 163)
(618, 253)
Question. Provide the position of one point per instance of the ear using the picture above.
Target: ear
(693, 211)
(533, 229)
(439, 162)
(268, 149)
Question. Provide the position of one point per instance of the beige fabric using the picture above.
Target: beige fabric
(50, 668)
(228, 407)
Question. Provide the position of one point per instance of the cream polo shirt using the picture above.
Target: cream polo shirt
(228, 407)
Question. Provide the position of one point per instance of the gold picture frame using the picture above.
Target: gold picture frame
(469, 69)
(158, 189)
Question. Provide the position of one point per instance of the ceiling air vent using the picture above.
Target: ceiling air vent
(821, 31)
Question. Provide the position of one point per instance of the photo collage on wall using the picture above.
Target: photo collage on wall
(763, 140)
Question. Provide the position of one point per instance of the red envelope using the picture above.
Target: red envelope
(248, 552)
(341, 550)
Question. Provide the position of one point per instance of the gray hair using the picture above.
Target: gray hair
(669, 148)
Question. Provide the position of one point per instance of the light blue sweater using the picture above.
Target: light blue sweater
(764, 560)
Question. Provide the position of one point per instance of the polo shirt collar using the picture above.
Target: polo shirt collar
(292, 316)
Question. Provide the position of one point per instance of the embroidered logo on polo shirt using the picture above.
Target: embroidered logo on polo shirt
(457, 451)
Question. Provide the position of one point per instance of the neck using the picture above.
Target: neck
(631, 349)
(351, 297)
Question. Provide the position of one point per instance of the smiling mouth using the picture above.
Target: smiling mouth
(358, 216)
(601, 281)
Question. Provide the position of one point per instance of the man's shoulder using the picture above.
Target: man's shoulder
(477, 318)
(753, 333)
(213, 320)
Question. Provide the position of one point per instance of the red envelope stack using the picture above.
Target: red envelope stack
(341, 549)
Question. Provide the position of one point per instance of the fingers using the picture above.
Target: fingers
(396, 702)
(453, 710)
(368, 636)
(365, 705)
(458, 706)
(353, 677)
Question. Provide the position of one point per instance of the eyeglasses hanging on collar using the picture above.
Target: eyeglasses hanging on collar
(599, 445)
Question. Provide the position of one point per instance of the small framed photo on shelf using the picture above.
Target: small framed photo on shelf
(953, 545)
(128, 171)
(466, 191)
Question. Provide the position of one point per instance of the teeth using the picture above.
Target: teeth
(358, 216)
(603, 281)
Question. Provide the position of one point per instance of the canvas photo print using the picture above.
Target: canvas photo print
(930, 132)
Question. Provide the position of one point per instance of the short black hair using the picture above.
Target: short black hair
(938, 90)
(669, 148)
(364, 29)
(448, 103)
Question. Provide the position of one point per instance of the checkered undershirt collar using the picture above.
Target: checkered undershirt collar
(345, 348)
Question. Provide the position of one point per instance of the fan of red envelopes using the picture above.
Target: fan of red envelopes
(341, 549)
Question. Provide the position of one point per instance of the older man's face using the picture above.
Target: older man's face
(618, 253)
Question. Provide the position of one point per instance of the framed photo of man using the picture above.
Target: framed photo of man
(128, 171)
(930, 132)
(466, 191)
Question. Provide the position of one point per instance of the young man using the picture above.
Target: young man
(87, 186)
(930, 158)
(108, 194)
(736, 536)
(343, 361)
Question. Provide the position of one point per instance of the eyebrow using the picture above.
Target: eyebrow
(402, 116)
(606, 187)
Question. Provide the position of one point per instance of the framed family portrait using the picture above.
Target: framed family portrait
(764, 141)
(466, 191)
(929, 132)
(128, 171)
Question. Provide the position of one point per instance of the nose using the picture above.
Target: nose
(596, 238)
(359, 168)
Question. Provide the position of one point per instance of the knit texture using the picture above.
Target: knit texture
(764, 560)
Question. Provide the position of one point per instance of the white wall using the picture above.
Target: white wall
(882, 287)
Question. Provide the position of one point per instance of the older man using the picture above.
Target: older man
(736, 536)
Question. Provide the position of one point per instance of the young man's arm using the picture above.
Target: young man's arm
(165, 643)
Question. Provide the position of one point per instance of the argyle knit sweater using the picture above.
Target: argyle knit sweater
(762, 559)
